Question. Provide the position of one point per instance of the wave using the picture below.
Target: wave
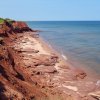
(64, 56)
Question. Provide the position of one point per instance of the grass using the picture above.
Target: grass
(8, 20)
(1, 20)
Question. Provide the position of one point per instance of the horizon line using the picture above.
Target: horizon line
(57, 20)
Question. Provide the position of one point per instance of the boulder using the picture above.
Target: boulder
(79, 74)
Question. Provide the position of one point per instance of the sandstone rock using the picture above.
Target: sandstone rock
(95, 95)
(40, 70)
(79, 74)
(2, 89)
(46, 60)
(28, 50)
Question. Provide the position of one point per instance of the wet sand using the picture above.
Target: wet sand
(91, 74)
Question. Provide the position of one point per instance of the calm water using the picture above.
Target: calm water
(79, 41)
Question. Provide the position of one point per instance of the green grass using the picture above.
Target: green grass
(1, 20)
(8, 20)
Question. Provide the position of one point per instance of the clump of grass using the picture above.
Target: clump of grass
(1, 20)
(9, 20)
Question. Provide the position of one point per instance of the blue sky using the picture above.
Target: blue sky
(39, 10)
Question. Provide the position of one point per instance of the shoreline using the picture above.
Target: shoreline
(91, 76)
(38, 70)
(91, 73)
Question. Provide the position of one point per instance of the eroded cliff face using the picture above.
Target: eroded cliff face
(14, 81)
(21, 27)
(13, 27)
(30, 71)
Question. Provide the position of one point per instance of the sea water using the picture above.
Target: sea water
(77, 41)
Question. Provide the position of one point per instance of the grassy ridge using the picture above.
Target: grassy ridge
(1, 20)
(7, 20)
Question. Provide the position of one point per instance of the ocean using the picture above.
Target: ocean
(77, 41)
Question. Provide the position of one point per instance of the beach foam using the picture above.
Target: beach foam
(64, 56)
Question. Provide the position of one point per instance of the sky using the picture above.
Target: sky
(50, 10)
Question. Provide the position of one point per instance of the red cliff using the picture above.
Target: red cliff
(13, 27)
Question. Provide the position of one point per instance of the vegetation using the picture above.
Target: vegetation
(7, 19)
(1, 20)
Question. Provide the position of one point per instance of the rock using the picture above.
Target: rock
(27, 50)
(2, 89)
(95, 95)
(1, 41)
(79, 74)
(3, 72)
(48, 60)
(42, 70)
(32, 98)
